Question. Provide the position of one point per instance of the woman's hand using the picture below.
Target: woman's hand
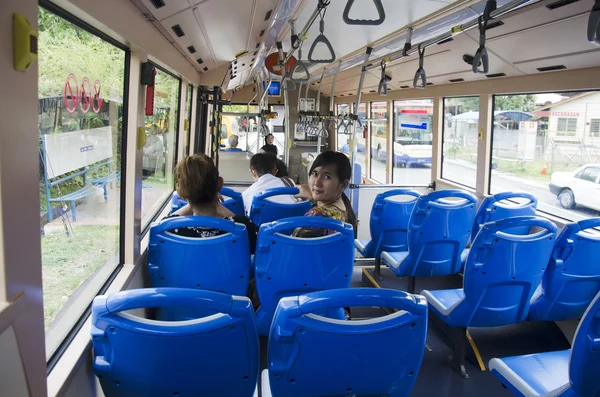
(184, 211)
(305, 193)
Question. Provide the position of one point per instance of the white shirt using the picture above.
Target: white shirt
(263, 183)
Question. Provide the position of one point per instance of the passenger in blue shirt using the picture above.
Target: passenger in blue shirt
(233, 142)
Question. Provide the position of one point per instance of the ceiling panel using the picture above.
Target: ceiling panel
(171, 7)
(564, 37)
(193, 36)
(227, 31)
(572, 61)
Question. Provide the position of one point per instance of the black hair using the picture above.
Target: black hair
(263, 163)
(344, 173)
(282, 169)
(197, 179)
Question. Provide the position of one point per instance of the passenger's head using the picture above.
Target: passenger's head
(282, 169)
(263, 163)
(330, 175)
(233, 141)
(197, 180)
(269, 139)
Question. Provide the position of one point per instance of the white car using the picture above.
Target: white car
(581, 187)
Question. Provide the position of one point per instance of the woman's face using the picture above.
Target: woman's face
(270, 139)
(325, 184)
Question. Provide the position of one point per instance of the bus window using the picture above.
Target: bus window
(160, 149)
(412, 148)
(379, 134)
(546, 145)
(460, 138)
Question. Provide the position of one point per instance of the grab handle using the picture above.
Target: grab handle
(321, 39)
(372, 22)
(146, 298)
(358, 297)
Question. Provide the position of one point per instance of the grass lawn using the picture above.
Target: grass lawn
(67, 261)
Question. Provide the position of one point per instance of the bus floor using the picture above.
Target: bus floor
(436, 376)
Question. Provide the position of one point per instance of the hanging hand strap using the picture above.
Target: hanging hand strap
(321, 39)
(300, 68)
(594, 24)
(481, 56)
(421, 71)
(380, 11)
(383, 82)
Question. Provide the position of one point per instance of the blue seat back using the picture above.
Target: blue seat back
(211, 356)
(389, 222)
(177, 202)
(503, 271)
(288, 266)
(264, 211)
(220, 263)
(234, 201)
(573, 276)
(504, 205)
(311, 356)
(585, 354)
(439, 230)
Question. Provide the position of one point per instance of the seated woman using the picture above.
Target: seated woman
(329, 176)
(198, 182)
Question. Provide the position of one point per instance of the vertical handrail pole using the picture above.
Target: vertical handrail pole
(318, 109)
(355, 122)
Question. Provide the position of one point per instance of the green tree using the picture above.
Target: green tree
(524, 103)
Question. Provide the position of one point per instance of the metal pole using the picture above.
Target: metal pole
(454, 31)
(353, 136)
(318, 109)
(286, 104)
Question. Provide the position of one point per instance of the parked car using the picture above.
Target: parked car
(579, 187)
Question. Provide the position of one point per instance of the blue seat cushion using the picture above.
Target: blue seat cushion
(393, 259)
(443, 302)
(361, 246)
(543, 374)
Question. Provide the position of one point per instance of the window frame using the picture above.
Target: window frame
(566, 131)
(581, 175)
(76, 328)
(594, 134)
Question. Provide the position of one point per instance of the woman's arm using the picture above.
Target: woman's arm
(186, 210)
(305, 193)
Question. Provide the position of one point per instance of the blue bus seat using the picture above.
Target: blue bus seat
(289, 266)
(264, 211)
(438, 232)
(220, 263)
(388, 224)
(210, 356)
(501, 275)
(233, 203)
(573, 276)
(177, 202)
(568, 373)
(503, 205)
(312, 356)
